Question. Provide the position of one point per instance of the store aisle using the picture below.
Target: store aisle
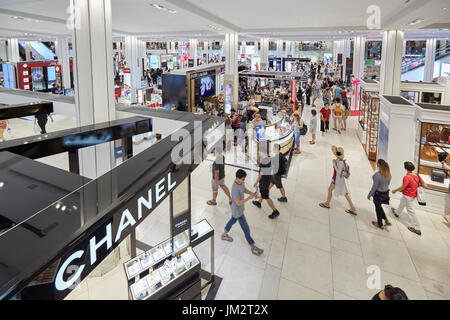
(316, 253)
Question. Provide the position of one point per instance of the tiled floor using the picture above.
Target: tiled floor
(309, 252)
(315, 253)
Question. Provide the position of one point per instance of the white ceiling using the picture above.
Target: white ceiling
(252, 19)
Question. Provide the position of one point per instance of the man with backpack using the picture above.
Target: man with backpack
(282, 170)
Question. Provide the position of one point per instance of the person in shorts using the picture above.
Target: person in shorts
(264, 180)
(218, 178)
(282, 170)
(237, 210)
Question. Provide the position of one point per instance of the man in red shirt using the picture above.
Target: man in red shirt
(325, 113)
(409, 189)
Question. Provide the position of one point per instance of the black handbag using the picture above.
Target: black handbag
(383, 196)
(437, 175)
(304, 130)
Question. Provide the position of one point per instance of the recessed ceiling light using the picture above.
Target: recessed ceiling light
(445, 8)
(416, 21)
(160, 7)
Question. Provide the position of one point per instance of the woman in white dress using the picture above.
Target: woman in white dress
(338, 184)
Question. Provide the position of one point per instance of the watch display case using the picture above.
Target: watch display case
(163, 275)
(371, 126)
(432, 154)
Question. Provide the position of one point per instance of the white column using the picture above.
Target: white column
(264, 54)
(28, 51)
(193, 50)
(430, 55)
(3, 51)
(94, 78)
(244, 48)
(13, 50)
(359, 56)
(279, 48)
(230, 49)
(132, 60)
(391, 62)
(62, 52)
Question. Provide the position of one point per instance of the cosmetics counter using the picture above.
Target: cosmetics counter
(264, 136)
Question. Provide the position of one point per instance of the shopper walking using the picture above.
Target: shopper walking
(337, 115)
(282, 170)
(264, 180)
(338, 184)
(313, 126)
(41, 120)
(315, 88)
(411, 183)
(390, 293)
(237, 211)
(325, 114)
(297, 124)
(218, 177)
(3, 126)
(380, 192)
(308, 92)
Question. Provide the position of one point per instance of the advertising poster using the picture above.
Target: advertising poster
(127, 83)
(154, 61)
(228, 98)
(256, 63)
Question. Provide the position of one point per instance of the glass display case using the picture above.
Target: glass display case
(369, 124)
(432, 154)
(364, 113)
(412, 96)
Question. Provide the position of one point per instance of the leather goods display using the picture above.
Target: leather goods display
(429, 153)
(442, 156)
(445, 134)
(433, 136)
(437, 175)
(425, 170)
(447, 161)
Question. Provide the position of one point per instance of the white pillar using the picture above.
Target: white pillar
(132, 59)
(279, 48)
(230, 49)
(62, 52)
(13, 50)
(94, 78)
(28, 51)
(391, 62)
(3, 51)
(430, 55)
(193, 50)
(359, 48)
(264, 54)
(244, 48)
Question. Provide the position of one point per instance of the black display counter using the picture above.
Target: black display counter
(25, 109)
(93, 227)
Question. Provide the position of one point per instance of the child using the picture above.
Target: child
(325, 114)
(313, 126)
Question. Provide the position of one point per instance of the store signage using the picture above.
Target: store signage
(104, 239)
(202, 74)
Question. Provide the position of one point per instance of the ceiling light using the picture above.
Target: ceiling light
(416, 21)
(160, 7)
(2, 184)
(445, 8)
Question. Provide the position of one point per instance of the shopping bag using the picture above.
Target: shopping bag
(36, 129)
(421, 195)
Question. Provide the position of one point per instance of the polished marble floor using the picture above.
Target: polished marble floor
(309, 252)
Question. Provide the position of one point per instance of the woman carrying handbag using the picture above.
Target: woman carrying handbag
(409, 189)
(380, 192)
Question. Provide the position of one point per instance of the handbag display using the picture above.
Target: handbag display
(445, 134)
(442, 156)
(437, 175)
(429, 153)
(433, 136)
(447, 161)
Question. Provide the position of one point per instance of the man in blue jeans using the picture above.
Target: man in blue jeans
(237, 209)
